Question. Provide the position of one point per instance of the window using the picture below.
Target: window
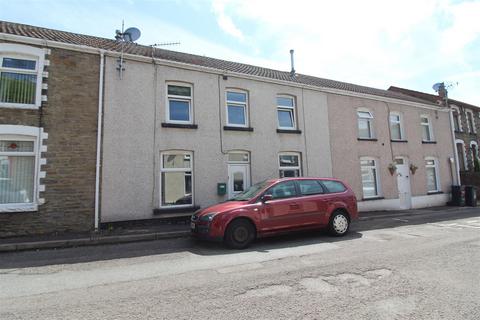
(432, 175)
(365, 124)
(333, 186)
(427, 134)
(289, 165)
(237, 108)
(308, 187)
(283, 190)
(21, 70)
(176, 179)
(286, 112)
(457, 124)
(470, 121)
(237, 156)
(179, 109)
(369, 178)
(396, 129)
(461, 155)
(19, 168)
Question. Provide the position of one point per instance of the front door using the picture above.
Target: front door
(403, 182)
(238, 179)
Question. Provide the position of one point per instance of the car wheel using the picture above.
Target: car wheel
(339, 224)
(240, 234)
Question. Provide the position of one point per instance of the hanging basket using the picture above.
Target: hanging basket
(413, 168)
(392, 168)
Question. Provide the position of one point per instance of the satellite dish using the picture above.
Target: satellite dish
(131, 34)
(437, 86)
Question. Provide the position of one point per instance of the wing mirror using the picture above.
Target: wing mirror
(266, 197)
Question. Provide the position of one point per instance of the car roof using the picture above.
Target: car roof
(305, 178)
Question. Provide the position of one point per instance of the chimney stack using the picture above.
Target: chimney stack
(292, 71)
(442, 91)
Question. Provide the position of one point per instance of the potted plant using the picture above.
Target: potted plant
(413, 168)
(392, 167)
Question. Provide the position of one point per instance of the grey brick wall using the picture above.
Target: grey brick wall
(70, 119)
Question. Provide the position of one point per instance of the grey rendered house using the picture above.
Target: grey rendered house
(178, 131)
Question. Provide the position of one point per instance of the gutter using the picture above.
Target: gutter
(99, 140)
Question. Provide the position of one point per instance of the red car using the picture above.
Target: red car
(275, 206)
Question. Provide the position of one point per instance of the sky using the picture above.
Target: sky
(377, 43)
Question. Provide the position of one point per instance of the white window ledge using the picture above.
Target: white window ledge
(18, 207)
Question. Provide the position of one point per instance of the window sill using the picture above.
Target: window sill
(292, 131)
(19, 106)
(5, 208)
(179, 125)
(434, 192)
(402, 141)
(429, 142)
(232, 128)
(160, 211)
(367, 139)
(372, 198)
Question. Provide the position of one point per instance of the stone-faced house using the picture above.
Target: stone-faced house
(48, 132)
(466, 124)
(174, 132)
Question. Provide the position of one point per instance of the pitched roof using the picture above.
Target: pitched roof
(430, 97)
(223, 65)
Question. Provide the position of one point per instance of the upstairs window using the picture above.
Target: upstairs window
(457, 124)
(396, 128)
(21, 70)
(237, 108)
(286, 112)
(470, 121)
(365, 124)
(179, 99)
(289, 165)
(427, 134)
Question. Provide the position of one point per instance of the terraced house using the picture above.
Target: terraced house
(173, 132)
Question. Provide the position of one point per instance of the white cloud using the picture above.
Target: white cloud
(224, 21)
(376, 43)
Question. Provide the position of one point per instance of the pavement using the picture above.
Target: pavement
(410, 266)
(125, 233)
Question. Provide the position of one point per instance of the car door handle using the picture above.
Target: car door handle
(294, 206)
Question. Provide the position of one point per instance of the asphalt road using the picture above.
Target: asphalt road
(425, 266)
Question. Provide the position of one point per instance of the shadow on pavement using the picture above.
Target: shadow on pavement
(188, 246)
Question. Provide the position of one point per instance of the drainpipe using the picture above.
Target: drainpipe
(455, 155)
(99, 140)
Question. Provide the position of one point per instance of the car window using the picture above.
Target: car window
(308, 187)
(283, 190)
(333, 186)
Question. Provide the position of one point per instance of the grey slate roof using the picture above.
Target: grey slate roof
(141, 50)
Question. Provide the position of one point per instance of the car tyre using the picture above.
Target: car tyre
(240, 234)
(339, 224)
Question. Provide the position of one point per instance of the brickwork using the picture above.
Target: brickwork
(467, 136)
(70, 119)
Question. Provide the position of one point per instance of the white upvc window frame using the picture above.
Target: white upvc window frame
(162, 170)
(286, 168)
(364, 114)
(291, 109)
(237, 104)
(172, 97)
(17, 51)
(456, 110)
(399, 122)
(437, 174)
(470, 126)
(36, 135)
(243, 152)
(428, 125)
(377, 177)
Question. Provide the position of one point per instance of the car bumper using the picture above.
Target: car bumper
(203, 232)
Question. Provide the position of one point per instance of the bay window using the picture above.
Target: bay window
(176, 179)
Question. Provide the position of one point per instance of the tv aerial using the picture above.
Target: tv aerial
(130, 35)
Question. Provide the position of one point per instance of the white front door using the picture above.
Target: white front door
(403, 182)
(238, 179)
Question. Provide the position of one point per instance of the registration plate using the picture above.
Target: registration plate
(192, 225)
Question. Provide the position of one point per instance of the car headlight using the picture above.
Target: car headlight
(208, 217)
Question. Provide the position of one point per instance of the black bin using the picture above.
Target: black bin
(471, 196)
(458, 196)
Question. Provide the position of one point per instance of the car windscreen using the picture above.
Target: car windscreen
(251, 192)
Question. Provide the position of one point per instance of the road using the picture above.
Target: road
(424, 266)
